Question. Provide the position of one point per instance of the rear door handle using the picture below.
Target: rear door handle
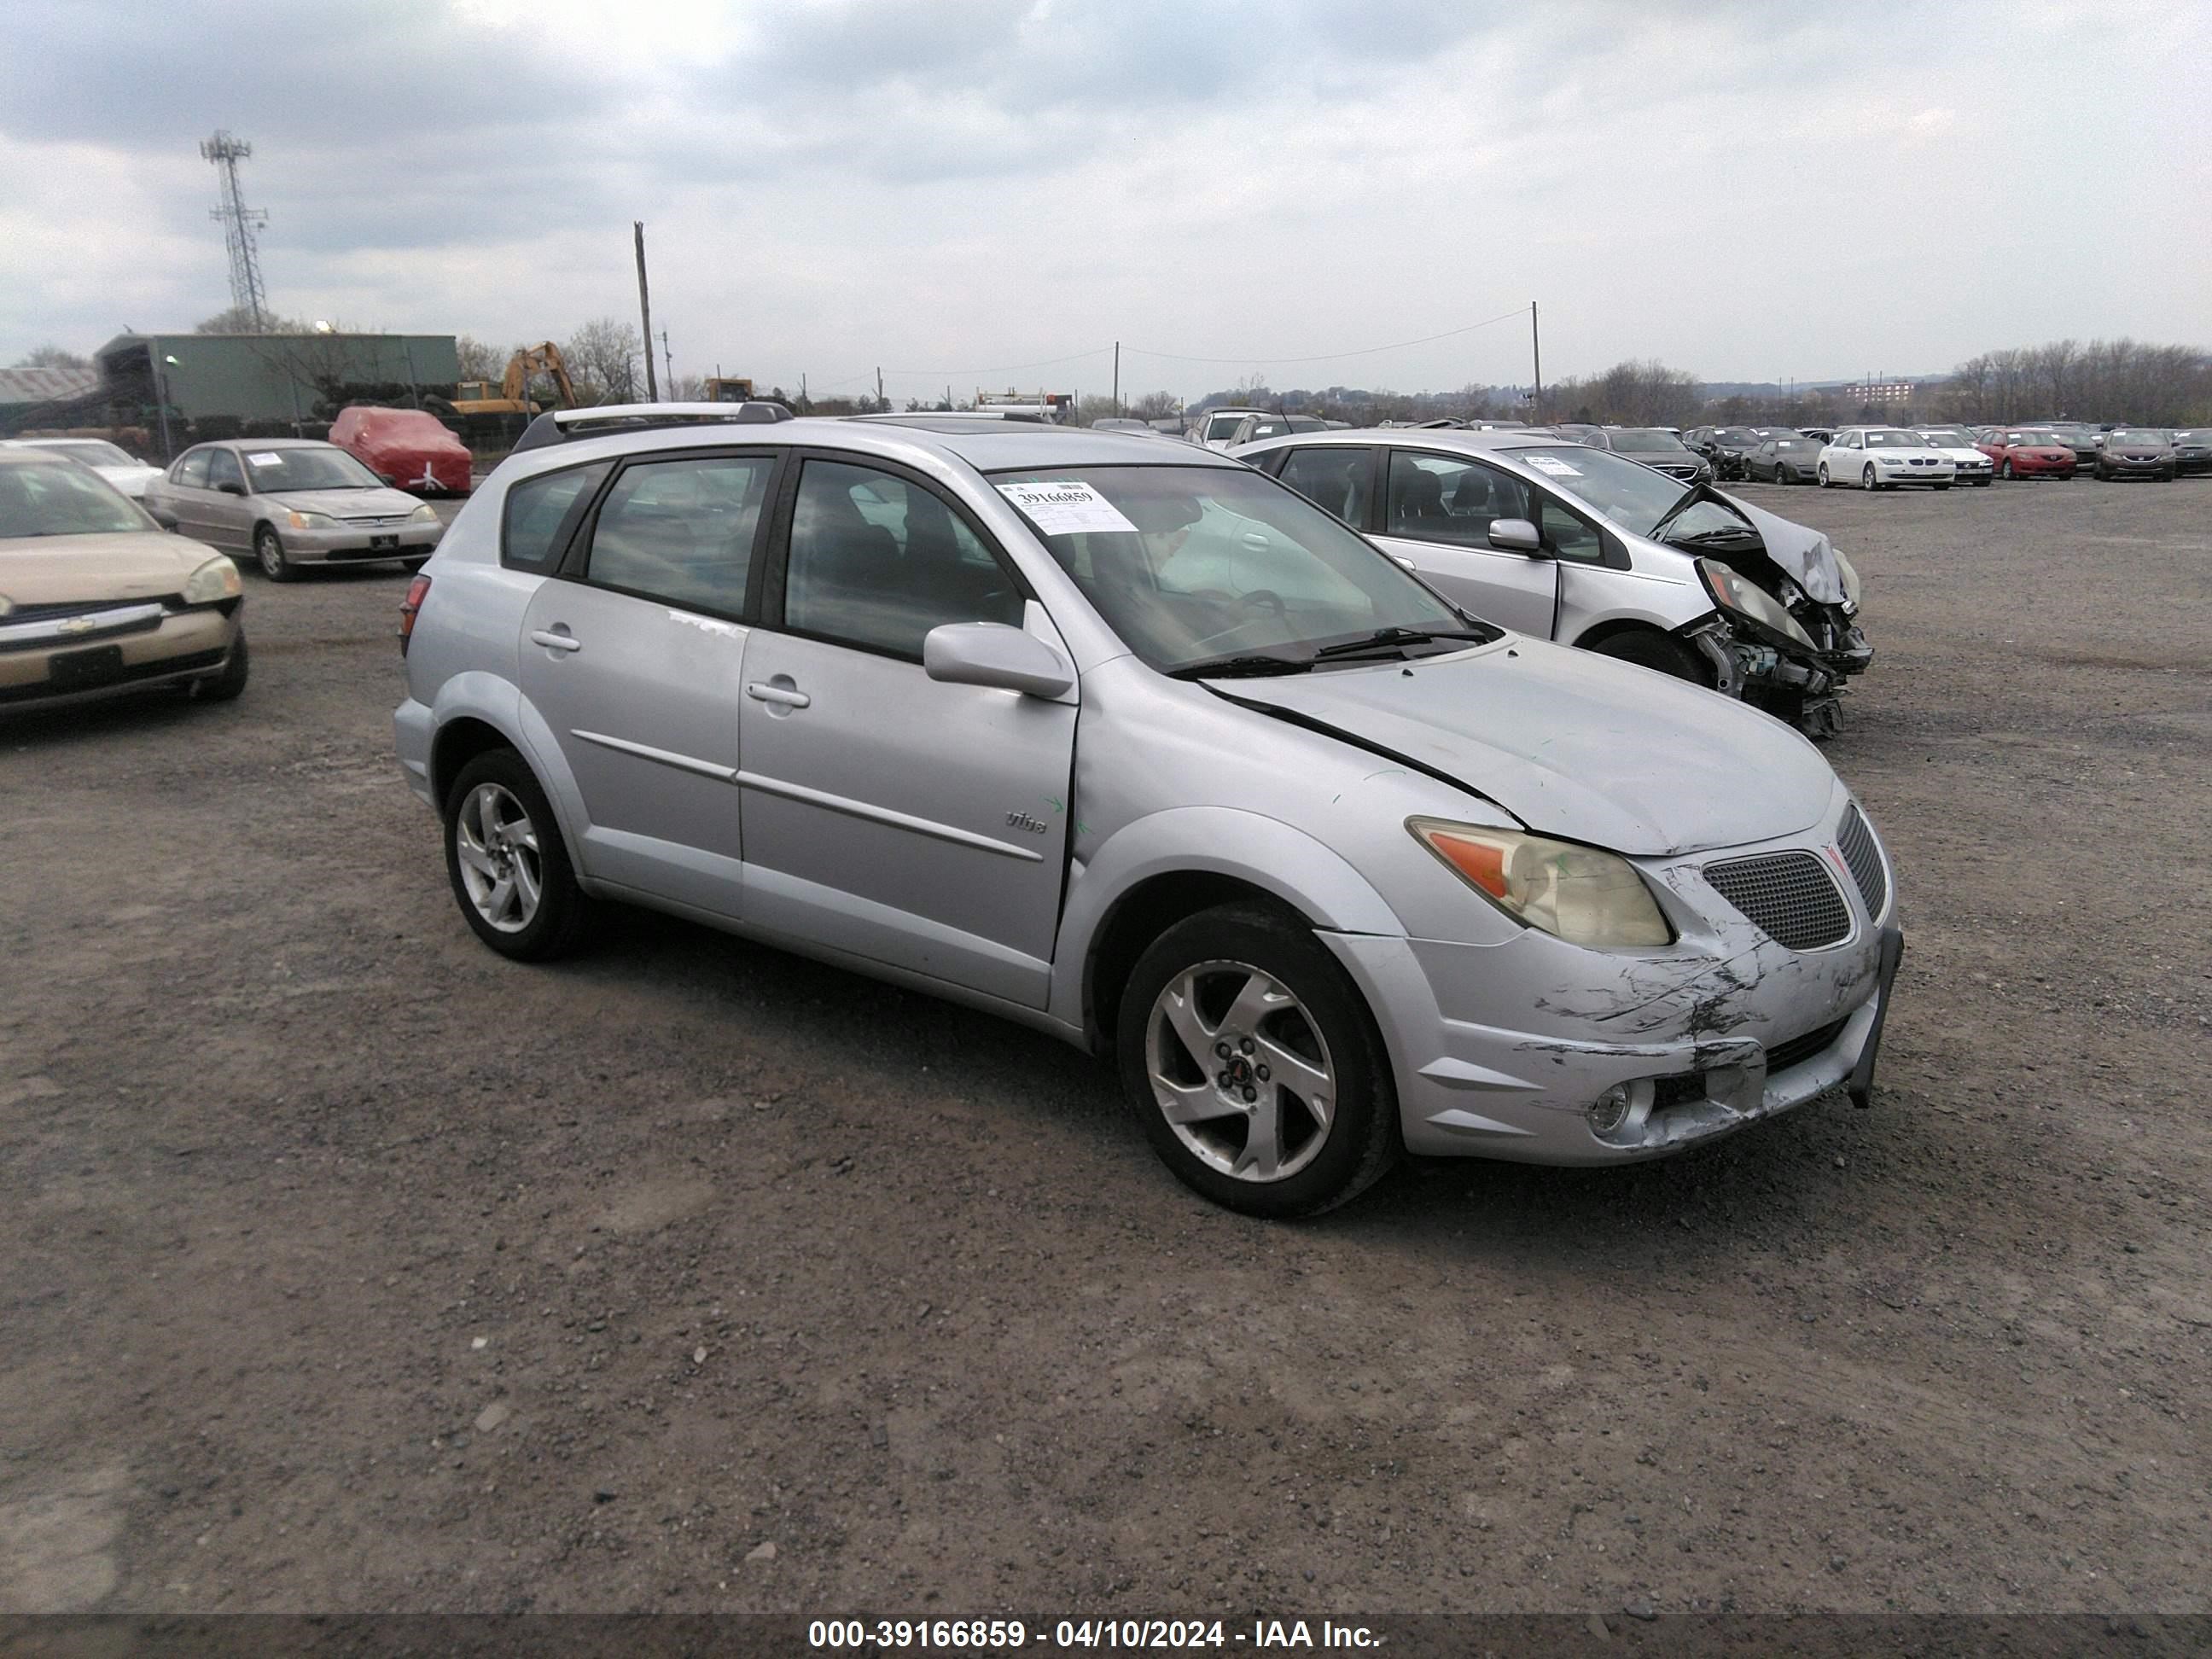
(556, 641)
(777, 694)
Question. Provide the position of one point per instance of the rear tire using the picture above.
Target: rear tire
(1202, 981)
(225, 686)
(503, 845)
(269, 554)
(1649, 649)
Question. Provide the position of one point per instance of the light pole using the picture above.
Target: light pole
(161, 398)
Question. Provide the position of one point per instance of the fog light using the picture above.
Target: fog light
(1610, 1109)
(1620, 1110)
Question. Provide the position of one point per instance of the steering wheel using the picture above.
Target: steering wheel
(1258, 599)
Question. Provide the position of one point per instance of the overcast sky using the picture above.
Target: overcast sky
(953, 189)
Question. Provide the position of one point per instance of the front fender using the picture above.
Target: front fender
(1262, 851)
(500, 704)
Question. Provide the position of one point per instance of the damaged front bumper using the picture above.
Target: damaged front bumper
(1802, 686)
(1494, 1059)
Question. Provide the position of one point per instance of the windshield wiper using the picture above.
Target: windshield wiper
(1247, 666)
(1387, 638)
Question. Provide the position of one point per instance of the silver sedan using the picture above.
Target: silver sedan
(287, 503)
(1139, 747)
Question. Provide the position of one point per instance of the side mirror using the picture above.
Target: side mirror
(229, 489)
(162, 517)
(993, 654)
(1516, 536)
(385, 478)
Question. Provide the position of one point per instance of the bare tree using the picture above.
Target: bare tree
(480, 360)
(606, 358)
(52, 357)
(1154, 405)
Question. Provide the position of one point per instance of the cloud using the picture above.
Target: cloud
(838, 184)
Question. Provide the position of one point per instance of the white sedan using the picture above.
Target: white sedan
(126, 472)
(1882, 458)
(1971, 462)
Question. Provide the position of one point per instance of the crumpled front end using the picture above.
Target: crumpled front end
(1539, 1051)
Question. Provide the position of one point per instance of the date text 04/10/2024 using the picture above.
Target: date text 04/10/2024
(1086, 1633)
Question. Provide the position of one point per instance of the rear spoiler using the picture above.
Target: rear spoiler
(559, 425)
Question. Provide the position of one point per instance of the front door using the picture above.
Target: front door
(916, 824)
(229, 518)
(635, 658)
(1437, 518)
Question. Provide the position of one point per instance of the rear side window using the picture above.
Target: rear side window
(543, 514)
(682, 530)
(1333, 479)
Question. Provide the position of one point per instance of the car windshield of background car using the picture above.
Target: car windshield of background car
(1646, 440)
(1957, 437)
(274, 472)
(1188, 563)
(1895, 440)
(2138, 434)
(60, 498)
(92, 452)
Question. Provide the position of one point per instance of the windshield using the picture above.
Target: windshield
(1221, 426)
(1735, 434)
(1190, 563)
(2137, 435)
(92, 452)
(1895, 440)
(1953, 435)
(273, 471)
(1627, 492)
(1646, 440)
(60, 498)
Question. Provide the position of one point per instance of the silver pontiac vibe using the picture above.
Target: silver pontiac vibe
(1135, 744)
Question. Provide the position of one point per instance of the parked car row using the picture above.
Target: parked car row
(1216, 770)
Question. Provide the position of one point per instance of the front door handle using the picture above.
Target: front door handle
(781, 695)
(556, 641)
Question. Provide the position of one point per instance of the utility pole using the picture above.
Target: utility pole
(1117, 378)
(879, 386)
(1536, 351)
(667, 361)
(645, 315)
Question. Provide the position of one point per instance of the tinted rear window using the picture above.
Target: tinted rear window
(542, 512)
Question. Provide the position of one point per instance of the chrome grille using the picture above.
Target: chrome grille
(1790, 894)
(1857, 842)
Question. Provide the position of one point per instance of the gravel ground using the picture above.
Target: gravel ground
(348, 1267)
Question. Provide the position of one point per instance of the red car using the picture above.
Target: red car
(2022, 453)
(404, 446)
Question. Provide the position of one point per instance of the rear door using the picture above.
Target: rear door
(1437, 511)
(229, 514)
(184, 493)
(635, 656)
(916, 824)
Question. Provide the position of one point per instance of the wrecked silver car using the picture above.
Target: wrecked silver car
(1131, 744)
(1576, 544)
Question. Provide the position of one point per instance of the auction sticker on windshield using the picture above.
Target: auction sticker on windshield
(1555, 467)
(265, 458)
(1065, 508)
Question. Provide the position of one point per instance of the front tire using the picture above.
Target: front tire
(2006, 472)
(508, 865)
(1648, 649)
(269, 553)
(1867, 480)
(1249, 1058)
(1821, 475)
(226, 686)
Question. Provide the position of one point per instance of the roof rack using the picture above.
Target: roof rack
(559, 425)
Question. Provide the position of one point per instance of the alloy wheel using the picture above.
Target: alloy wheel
(1240, 1070)
(497, 846)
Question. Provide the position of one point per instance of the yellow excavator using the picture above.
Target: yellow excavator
(513, 395)
(732, 390)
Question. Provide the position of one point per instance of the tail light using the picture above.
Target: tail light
(411, 607)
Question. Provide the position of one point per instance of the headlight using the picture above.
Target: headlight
(215, 580)
(7, 604)
(425, 513)
(1891, 460)
(311, 520)
(1732, 593)
(1851, 588)
(1574, 893)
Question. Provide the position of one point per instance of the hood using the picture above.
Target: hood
(131, 564)
(2137, 451)
(379, 503)
(130, 480)
(1805, 555)
(1573, 744)
(1961, 452)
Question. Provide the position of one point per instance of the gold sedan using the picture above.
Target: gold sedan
(97, 600)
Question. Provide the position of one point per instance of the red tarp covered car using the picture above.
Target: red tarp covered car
(406, 446)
